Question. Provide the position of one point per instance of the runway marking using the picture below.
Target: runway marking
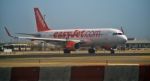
(72, 60)
(65, 64)
(123, 64)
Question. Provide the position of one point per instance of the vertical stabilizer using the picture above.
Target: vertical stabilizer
(40, 22)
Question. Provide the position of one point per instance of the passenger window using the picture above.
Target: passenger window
(119, 33)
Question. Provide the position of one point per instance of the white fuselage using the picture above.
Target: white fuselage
(71, 39)
(96, 37)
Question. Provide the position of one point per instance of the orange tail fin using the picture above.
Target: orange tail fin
(40, 22)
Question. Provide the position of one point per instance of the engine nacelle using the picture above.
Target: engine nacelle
(71, 45)
(77, 46)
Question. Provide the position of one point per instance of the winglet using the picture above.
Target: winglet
(8, 33)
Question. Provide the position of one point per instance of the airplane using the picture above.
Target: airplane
(73, 39)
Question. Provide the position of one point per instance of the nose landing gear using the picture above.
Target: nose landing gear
(112, 51)
(67, 51)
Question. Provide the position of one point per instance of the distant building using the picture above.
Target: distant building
(1, 47)
(138, 44)
(17, 47)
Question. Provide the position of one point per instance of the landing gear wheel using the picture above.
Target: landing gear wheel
(91, 51)
(112, 51)
(67, 51)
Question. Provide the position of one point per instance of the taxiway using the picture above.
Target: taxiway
(83, 59)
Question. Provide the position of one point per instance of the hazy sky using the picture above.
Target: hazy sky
(132, 15)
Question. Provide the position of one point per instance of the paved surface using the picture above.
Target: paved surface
(83, 59)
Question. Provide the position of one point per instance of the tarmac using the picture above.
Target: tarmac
(47, 59)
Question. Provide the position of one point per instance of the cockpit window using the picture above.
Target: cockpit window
(117, 34)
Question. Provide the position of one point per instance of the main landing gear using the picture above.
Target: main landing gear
(67, 51)
(91, 50)
(112, 51)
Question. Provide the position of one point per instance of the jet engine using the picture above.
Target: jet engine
(71, 45)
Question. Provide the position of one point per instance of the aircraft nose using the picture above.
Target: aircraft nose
(124, 39)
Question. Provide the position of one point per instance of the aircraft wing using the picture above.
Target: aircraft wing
(42, 39)
(49, 39)
(27, 34)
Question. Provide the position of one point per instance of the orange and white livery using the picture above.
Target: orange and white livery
(73, 39)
